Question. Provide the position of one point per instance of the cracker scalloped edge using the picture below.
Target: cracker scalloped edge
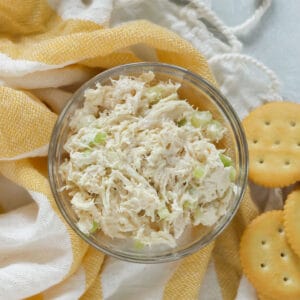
(291, 232)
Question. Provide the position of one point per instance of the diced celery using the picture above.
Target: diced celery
(216, 124)
(232, 174)
(163, 213)
(156, 89)
(226, 160)
(181, 122)
(195, 121)
(188, 204)
(138, 245)
(197, 214)
(86, 152)
(205, 116)
(154, 100)
(198, 172)
(201, 118)
(154, 93)
(95, 227)
(100, 138)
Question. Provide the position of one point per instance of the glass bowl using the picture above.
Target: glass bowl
(200, 94)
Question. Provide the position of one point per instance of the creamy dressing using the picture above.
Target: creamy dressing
(142, 163)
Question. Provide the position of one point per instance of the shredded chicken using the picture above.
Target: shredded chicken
(142, 163)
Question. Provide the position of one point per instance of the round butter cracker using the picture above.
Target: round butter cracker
(292, 220)
(267, 259)
(273, 136)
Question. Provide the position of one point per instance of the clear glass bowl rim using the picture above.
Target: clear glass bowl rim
(224, 106)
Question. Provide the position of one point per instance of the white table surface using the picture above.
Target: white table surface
(275, 41)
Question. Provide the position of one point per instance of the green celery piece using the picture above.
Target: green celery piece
(163, 213)
(86, 152)
(195, 121)
(95, 227)
(138, 245)
(155, 92)
(100, 138)
(181, 122)
(232, 174)
(197, 213)
(187, 204)
(201, 118)
(198, 172)
(226, 160)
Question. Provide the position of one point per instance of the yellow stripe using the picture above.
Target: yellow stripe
(24, 17)
(37, 20)
(32, 175)
(186, 280)
(35, 297)
(95, 291)
(25, 124)
(102, 42)
(111, 60)
(226, 252)
(92, 263)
